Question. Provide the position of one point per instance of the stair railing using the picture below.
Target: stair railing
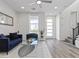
(75, 34)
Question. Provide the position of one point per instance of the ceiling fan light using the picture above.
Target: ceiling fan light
(55, 7)
(22, 7)
(2, 22)
(39, 2)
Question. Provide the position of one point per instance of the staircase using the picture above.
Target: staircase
(74, 37)
(69, 40)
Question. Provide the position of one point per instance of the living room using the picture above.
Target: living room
(33, 28)
(20, 25)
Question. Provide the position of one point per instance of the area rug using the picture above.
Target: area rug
(25, 50)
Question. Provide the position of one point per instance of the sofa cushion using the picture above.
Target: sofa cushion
(13, 36)
(2, 36)
(14, 42)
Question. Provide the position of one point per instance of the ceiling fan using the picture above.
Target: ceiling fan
(45, 1)
(39, 2)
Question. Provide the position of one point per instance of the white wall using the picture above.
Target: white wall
(4, 8)
(67, 20)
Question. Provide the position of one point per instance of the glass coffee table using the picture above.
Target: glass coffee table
(34, 42)
(27, 48)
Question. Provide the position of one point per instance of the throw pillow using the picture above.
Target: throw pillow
(13, 36)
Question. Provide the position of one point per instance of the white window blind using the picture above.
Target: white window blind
(34, 24)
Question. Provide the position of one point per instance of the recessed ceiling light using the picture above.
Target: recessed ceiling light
(55, 7)
(39, 2)
(22, 7)
(2, 22)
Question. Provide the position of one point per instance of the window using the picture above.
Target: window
(49, 27)
(34, 24)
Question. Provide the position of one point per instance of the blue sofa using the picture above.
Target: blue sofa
(7, 43)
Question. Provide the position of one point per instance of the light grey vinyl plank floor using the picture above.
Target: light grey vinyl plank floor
(47, 49)
(60, 49)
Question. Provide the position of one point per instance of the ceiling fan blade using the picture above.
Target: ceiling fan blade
(32, 3)
(47, 1)
(40, 5)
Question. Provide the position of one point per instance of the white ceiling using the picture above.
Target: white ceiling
(46, 7)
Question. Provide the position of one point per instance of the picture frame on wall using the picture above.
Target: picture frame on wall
(6, 19)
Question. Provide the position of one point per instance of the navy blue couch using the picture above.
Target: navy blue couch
(7, 43)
